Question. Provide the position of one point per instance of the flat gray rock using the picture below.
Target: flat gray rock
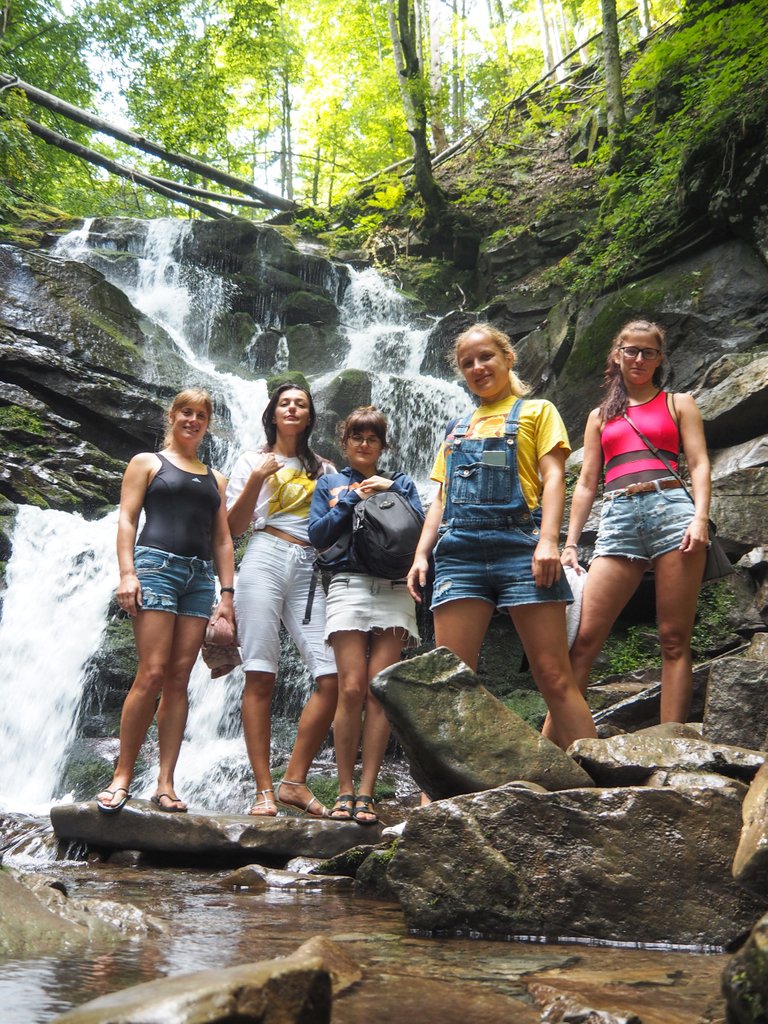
(233, 837)
(630, 759)
(736, 709)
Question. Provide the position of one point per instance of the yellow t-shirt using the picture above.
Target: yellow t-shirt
(541, 430)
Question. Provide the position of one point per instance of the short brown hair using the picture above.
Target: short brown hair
(365, 417)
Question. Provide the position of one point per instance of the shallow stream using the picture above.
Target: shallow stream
(406, 977)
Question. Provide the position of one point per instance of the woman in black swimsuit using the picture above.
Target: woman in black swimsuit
(167, 586)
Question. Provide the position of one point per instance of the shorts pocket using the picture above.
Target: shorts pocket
(149, 560)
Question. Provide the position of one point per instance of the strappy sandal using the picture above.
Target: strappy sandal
(263, 808)
(304, 808)
(366, 807)
(170, 807)
(343, 807)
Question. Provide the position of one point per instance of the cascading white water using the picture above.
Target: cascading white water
(377, 322)
(186, 301)
(59, 579)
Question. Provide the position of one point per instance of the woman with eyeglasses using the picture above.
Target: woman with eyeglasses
(368, 620)
(269, 493)
(647, 518)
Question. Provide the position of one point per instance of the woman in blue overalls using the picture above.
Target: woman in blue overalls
(494, 527)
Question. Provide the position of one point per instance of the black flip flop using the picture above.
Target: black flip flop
(156, 800)
(114, 807)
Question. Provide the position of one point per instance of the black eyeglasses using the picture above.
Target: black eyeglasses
(369, 439)
(632, 352)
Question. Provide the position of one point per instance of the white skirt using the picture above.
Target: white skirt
(363, 603)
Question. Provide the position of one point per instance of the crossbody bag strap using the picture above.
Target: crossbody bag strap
(652, 448)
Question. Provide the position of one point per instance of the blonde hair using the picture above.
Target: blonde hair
(189, 396)
(502, 343)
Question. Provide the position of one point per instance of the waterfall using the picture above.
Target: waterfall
(59, 582)
(186, 301)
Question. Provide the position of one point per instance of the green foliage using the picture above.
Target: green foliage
(529, 705)
(695, 94)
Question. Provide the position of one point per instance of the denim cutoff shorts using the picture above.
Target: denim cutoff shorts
(643, 525)
(493, 565)
(174, 583)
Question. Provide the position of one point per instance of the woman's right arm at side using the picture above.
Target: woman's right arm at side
(240, 511)
(585, 490)
(417, 574)
(134, 488)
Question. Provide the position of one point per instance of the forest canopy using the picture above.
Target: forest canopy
(304, 97)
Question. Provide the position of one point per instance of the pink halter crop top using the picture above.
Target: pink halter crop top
(626, 459)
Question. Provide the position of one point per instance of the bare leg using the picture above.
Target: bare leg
(153, 632)
(610, 584)
(257, 728)
(541, 628)
(386, 650)
(461, 626)
(678, 579)
(350, 648)
(174, 704)
(314, 724)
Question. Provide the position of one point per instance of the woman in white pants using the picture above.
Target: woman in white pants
(270, 491)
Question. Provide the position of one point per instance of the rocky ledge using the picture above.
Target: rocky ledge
(229, 838)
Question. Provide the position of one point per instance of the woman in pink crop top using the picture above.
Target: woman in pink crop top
(647, 517)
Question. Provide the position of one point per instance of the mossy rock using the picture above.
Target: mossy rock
(315, 348)
(437, 285)
(287, 377)
(308, 308)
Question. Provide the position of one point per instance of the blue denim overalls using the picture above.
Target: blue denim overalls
(488, 534)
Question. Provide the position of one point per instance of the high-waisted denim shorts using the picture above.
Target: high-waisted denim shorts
(643, 525)
(493, 565)
(174, 583)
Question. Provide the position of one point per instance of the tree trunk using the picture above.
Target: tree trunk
(614, 99)
(546, 45)
(59, 106)
(62, 142)
(413, 88)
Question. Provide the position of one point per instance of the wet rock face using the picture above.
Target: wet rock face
(634, 864)
(458, 737)
(750, 865)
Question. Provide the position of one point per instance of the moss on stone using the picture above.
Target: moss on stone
(16, 417)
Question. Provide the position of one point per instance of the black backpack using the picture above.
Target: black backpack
(385, 531)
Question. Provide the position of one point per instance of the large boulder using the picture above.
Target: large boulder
(458, 737)
(28, 927)
(625, 865)
(292, 991)
(750, 865)
(736, 709)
